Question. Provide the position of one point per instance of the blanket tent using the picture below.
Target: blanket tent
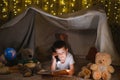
(36, 29)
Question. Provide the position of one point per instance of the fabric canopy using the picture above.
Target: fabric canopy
(36, 28)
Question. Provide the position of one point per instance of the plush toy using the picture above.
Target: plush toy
(102, 68)
(2, 59)
(29, 65)
(60, 72)
(4, 69)
(85, 72)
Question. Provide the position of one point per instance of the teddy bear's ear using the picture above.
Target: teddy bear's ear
(21, 50)
(98, 54)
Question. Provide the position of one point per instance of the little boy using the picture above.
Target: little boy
(65, 60)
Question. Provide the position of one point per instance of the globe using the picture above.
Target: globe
(10, 53)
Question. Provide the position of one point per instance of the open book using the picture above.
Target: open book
(55, 73)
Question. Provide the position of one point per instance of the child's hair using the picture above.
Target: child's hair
(58, 44)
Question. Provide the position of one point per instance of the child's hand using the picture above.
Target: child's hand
(53, 66)
(53, 55)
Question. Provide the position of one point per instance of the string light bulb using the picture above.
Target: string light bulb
(59, 7)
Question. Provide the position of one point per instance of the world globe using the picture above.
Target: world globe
(10, 53)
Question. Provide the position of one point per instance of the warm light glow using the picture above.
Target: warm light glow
(109, 10)
(45, 8)
(115, 7)
(54, 13)
(58, 7)
(72, 4)
(19, 10)
(4, 10)
(64, 10)
(51, 5)
(47, 2)
(106, 5)
(67, 70)
(62, 2)
(4, 16)
(73, 10)
(5, 2)
(87, 6)
(73, 0)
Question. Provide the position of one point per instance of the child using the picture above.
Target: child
(64, 37)
(64, 61)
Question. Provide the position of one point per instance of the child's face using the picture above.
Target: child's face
(62, 53)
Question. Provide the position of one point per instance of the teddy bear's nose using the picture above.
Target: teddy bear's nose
(30, 56)
(100, 61)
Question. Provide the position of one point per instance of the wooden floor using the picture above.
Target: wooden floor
(19, 76)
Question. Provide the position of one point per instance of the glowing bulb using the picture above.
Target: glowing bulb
(87, 6)
(1, 4)
(6, 3)
(37, 2)
(54, 13)
(15, 12)
(115, 7)
(19, 10)
(108, 9)
(84, 2)
(25, 5)
(45, 8)
(51, 5)
(116, 17)
(4, 16)
(73, 10)
(17, 1)
(106, 5)
(72, 4)
(62, 2)
(15, 6)
(102, 1)
(64, 10)
(109, 2)
(47, 2)
(4, 10)
(73, 0)
(61, 13)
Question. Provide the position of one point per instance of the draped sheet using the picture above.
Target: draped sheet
(35, 28)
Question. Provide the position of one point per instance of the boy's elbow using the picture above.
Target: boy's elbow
(72, 70)
(52, 68)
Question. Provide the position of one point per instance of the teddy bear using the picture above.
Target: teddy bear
(2, 59)
(4, 69)
(102, 68)
(85, 72)
(29, 65)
